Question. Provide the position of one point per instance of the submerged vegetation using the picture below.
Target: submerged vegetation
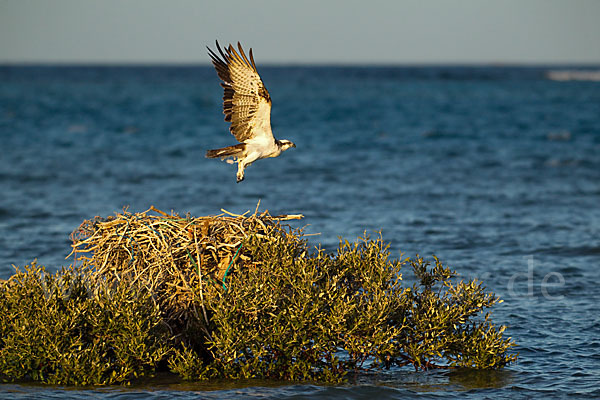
(236, 297)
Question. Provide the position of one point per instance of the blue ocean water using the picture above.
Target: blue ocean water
(496, 170)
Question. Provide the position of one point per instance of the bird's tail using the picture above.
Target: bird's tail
(224, 152)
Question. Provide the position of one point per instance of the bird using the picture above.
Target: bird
(247, 106)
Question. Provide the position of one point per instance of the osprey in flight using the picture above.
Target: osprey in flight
(247, 105)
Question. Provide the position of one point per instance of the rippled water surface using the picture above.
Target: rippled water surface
(494, 170)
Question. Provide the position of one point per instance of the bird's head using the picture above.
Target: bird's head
(285, 144)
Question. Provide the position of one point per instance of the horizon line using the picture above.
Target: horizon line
(194, 64)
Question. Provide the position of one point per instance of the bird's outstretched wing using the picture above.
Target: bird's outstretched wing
(246, 101)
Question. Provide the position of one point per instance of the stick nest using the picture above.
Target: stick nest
(173, 257)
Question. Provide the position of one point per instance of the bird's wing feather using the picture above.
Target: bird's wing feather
(246, 101)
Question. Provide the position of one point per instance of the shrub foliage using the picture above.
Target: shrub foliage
(303, 315)
(54, 329)
(281, 311)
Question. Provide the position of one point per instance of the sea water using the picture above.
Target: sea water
(495, 170)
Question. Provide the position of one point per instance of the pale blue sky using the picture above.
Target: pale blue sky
(313, 31)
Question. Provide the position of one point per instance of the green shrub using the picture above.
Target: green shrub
(54, 329)
(301, 315)
(281, 310)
